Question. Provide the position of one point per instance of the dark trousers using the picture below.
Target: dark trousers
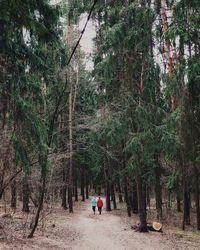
(100, 209)
(93, 208)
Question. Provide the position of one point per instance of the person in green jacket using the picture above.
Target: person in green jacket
(94, 204)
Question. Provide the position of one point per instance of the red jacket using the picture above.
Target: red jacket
(99, 203)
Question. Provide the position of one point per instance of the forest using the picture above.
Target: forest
(127, 129)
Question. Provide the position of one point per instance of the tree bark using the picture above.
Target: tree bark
(34, 200)
(112, 191)
(70, 181)
(119, 191)
(196, 192)
(76, 189)
(178, 202)
(141, 191)
(148, 197)
(25, 195)
(134, 200)
(158, 192)
(83, 182)
(99, 190)
(13, 194)
(39, 207)
(186, 205)
(64, 189)
(86, 186)
(70, 184)
(108, 205)
(126, 197)
(167, 46)
(178, 196)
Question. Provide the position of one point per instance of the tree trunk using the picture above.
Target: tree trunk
(120, 191)
(126, 197)
(112, 191)
(83, 183)
(71, 105)
(99, 190)
(13, 194)
(169, 200)
(108, 205)
(64, 197)
(158, 192)
(178, 196)
(20, 191)
(70, 199)
(34, 200)
(167, 46)
(64, 189)
(148, 197)
(186, 205)
(70, 186)
(39, 207)
(134, 200)
(178, 202)
(76, 189)
(95, 189)
(86, 186)
(141, 191)
(196, 190)
(25, 195)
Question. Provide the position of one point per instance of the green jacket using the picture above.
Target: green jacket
(94, 202)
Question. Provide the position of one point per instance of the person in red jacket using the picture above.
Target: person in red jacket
(99, 204)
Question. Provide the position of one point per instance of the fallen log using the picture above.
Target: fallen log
(154, 226)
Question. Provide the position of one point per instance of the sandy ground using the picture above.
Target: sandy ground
(85, 231)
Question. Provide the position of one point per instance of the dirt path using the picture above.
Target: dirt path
(85, 231)
(108, 231)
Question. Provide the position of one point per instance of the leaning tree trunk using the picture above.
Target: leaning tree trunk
(39, 207)
(43, 166)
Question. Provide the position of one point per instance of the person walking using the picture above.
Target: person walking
(100, 205)
(94, 204)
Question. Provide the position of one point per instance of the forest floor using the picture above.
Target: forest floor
(83, 230)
